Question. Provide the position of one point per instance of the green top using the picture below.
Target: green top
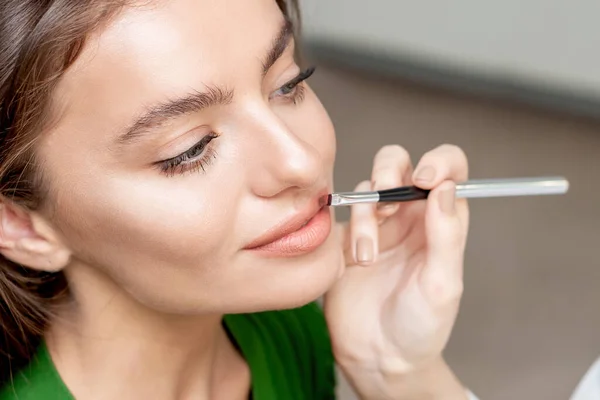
(288, 352)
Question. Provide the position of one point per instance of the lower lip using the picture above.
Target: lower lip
(303, 241)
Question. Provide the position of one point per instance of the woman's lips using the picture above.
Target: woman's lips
(297, 237)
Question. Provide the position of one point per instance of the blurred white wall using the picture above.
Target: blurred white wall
(553, 43)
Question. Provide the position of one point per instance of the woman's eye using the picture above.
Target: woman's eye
(196, 150)
(196, 158)
(288, 88)
(294, 90)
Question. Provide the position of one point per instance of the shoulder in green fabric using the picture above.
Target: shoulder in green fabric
(288, 352)
(38, 381)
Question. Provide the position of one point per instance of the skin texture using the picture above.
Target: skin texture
(155, 259)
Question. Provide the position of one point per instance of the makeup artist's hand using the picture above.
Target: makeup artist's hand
(392, 312)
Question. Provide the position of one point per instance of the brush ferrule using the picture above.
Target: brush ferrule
(349, 198)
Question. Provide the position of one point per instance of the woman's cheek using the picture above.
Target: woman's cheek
(161, 216)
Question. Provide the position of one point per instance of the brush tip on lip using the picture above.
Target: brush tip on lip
(325, 200)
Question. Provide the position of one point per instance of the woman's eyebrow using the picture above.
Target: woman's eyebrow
(279, 45)
(157, 115)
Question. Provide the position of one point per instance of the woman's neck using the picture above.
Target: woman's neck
(105, 345)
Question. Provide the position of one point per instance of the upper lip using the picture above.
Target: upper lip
(289, 225)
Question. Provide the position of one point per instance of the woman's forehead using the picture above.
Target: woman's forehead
(216, 29)
(147, 55)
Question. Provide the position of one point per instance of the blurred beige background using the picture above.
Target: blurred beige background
(530, 320)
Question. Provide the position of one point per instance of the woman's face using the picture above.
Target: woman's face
(180, 149)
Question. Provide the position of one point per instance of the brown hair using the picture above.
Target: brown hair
(39, 41)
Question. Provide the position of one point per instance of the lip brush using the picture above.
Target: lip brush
(478, 188)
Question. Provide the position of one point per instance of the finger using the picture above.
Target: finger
(442, 276)
(364, 230)
(391, 167)
(446, 162)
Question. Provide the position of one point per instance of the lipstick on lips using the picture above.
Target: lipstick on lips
(298, 235)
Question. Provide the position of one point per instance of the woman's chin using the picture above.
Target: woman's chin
(286, 284)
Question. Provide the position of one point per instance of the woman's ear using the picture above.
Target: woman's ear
(26, 238)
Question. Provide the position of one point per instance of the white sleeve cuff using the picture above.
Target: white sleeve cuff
(589, 387)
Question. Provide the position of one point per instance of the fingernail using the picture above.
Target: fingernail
(447, 201)
(385, 207)
(387, 210)
(364, 250)
(425, 174)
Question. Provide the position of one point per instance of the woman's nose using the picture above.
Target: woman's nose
(284, 159)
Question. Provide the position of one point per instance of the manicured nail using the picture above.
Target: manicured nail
(447, 201)
(364, 250)
(425, 174)
(386, 210)
(386, 207)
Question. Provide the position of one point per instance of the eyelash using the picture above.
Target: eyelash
(292, 91)
(188, 161)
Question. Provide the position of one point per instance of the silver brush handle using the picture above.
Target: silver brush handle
(512, 187)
